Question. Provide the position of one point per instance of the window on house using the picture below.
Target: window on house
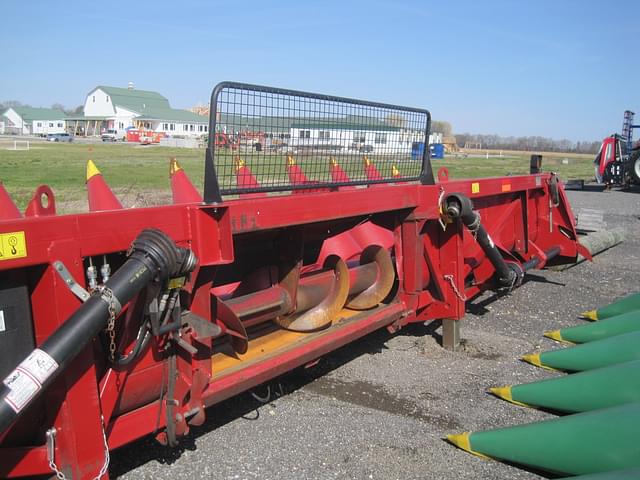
(199, 128)
(39, 124)
(380, 138)
(107, 98)
(205, 128)
(192, 128)
(185, 127)
(50, 124)
(120, 126)
(305, 133)
(59, 124)
(172, 126)
(165, 126)
(94, 99)
(323, 135)
(359, 137)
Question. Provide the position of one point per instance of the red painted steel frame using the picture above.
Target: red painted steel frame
(438, 264)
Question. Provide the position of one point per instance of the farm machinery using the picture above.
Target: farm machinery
(618, 161)
(121, 323)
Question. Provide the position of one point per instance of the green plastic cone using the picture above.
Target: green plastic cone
(623, 323)
(581, 392)
(601, 353)
(627, 304)
(628, 474)
(577, 444)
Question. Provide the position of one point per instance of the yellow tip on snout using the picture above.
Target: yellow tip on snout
(238, 162)
(290, 160)
(533, 359)
(174, 167)
(554, 335)
(92, 170)
(590, 315)
(502, 392)
(462, 440)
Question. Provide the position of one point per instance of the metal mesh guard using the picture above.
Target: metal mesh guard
(264, 139)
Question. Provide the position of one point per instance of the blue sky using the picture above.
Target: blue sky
(564, 69)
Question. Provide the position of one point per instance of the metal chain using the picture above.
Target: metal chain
(51, 453)
(450, 279)
(113, 306)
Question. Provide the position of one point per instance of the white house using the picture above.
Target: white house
(33, 121)
(375, 137)
(114, 108)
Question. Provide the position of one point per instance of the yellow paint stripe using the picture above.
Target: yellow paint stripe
(92, 170)
(462, 440)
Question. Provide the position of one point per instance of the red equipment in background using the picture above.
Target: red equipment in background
(221, 296)
(145, 137)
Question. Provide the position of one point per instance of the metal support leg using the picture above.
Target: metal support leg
(450, 334)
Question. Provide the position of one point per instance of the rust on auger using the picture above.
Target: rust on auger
(316, 226)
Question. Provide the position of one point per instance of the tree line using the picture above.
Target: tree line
(531, 143)
(56, 106)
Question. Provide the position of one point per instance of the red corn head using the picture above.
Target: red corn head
(296, 175)
(370, 169)
(182, 189)
(338, 175)
(99, 194)
(8, 209)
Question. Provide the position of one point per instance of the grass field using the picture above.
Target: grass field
(140, 175)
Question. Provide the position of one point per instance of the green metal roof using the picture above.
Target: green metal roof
(149, 105)
(139, 101)
(339, 124)
(30, 114)
(173, 115)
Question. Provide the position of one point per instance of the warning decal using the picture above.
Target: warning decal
(39, 364)
(22, 389)
(25, 381)
(12, 245)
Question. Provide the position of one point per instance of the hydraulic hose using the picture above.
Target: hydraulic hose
(153, 256)
(457, 205)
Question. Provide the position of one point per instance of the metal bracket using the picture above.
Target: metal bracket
(70, 282)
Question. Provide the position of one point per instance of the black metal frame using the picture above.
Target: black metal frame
(212, 191)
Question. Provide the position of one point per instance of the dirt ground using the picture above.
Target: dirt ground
(379, 408)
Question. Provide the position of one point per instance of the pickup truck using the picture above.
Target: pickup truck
(110, 136)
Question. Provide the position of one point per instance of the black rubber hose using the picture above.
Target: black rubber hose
(153, 255)
(457, 205)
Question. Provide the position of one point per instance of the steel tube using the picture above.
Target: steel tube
(535, 261)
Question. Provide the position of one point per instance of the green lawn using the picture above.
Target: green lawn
(138, 173)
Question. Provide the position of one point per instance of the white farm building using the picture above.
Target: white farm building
(341, 135)
(114, 108)
(33, 121)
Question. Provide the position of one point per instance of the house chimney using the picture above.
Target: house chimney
(130, 86)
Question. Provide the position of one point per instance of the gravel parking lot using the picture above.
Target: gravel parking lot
(379, 408)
